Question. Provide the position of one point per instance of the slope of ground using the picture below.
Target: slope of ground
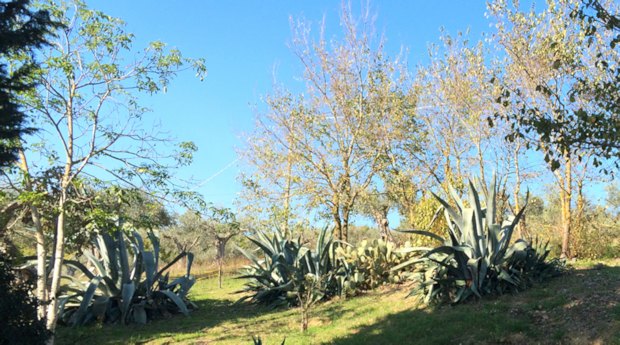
(581, 307)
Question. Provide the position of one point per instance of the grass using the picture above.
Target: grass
(581, 307)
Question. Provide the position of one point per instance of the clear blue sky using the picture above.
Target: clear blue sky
(245, 46)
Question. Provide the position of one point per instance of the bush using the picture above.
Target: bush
(370, 263)
(283, 271)
(18, 310)
(477, 258)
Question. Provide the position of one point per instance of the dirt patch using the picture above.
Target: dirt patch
(580, 308)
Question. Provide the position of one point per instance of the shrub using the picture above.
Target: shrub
(370, 263)
(18, 310)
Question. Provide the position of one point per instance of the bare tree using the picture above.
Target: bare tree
(327, 138)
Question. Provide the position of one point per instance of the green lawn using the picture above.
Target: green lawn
(582, 307)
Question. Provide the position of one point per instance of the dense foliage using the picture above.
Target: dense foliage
(18, 309)
(22, 31)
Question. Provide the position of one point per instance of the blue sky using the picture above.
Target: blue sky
(245, 47)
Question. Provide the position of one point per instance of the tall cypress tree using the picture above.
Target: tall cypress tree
(21, 31)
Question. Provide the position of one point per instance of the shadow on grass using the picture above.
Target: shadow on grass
(582, 307)
(210, 313)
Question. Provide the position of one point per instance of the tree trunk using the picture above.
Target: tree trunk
(383, 224)
(59, 251)
(304, 316)
(220, 242)
(521, 227)
(579, 224)
(337, 222)
(41, 291)
(219, 272)
(346, 211)
(566, 199)
(41, 263)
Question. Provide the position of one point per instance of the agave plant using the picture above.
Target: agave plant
(281, 269)
(477, 258)
(125, 283)
(530, 260)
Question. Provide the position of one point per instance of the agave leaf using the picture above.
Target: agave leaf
(172, 262)
(455, 197)
(124, 260)
(408, 250)
(79, 266)
(424, 233)
(473, 265)
(407, 263)
(248, 255)
(108, 245)
(80, 316)
(62, 301)
(148, 259)
(96, 263)
(139, 241)
(491, 203)
(155, 242)
(126, 298)
(468, 231)
(138, 314)
(301, 253)
(100, 306)
(454, 216)
(176, 300)
(508, 231)
(478, 233)
(265, 246)
(190, 260)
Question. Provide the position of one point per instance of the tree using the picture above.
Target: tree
(546, 53)
(377, 206)
(455, 98)
(585, 116)
(188, 233)
(88, 105)
(21, 31)
(221, 225)
(326, 139)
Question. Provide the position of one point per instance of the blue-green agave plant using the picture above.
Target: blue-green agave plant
(477, 257)
(124, 284)
(280, 267)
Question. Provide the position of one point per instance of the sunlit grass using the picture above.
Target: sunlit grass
(384, 316)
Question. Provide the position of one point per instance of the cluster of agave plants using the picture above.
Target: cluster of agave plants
(122, 282)
(476, 258)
